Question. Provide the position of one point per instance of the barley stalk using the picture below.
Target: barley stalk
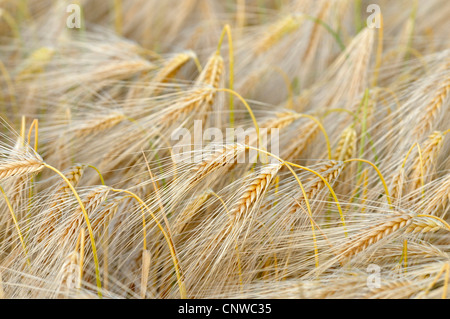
(329, 171)
(146, 258)
(430, 151)
(57, 202)
(17, 190)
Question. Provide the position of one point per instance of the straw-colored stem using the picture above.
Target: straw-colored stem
(91, 233)
(241, 282)
(227, 30)
(388, 197)
(323, 131)
(16, 224)
(167, 238)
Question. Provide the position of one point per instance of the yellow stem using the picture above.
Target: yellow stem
(441, 271)
(241, 282)
(17, 225)
(99, 174)
(22, 130)
(388, 197)
(341, 214)
(405, 254)
(316, 250)
(249, 109)
(288, 165)
(314, 172)
(161, 207)
(91, 233)
(379, 51)
(323, 131)
(359, 182)
(35, 124)
(364, 194)
(118, 16)
(81, 255)
(168, 240)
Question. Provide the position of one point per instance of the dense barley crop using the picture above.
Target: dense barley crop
(224, 149)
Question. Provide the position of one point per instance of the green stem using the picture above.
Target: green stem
(328, 28)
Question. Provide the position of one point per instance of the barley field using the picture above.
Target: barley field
(224, 149)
